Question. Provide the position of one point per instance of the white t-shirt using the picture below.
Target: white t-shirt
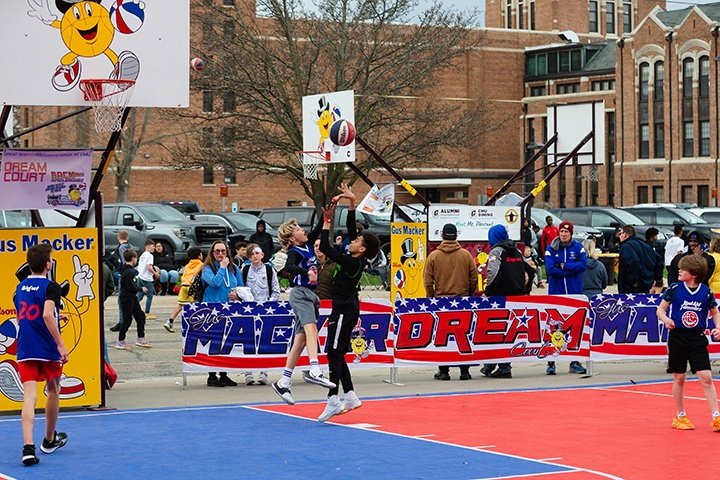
(673, 246)
(143, 273)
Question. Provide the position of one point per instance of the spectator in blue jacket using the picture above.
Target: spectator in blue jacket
(640, 267)
(565, 262)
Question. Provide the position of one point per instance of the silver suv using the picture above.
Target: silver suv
(161, 223)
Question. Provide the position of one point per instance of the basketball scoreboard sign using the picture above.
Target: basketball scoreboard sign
(250, 335)
(472, 222)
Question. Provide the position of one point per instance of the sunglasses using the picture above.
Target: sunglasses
(217, 250)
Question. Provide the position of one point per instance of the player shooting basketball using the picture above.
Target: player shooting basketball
(87, 29)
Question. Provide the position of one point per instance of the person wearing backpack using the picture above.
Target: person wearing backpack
(118, 260)
(192, 269)
(263, 283)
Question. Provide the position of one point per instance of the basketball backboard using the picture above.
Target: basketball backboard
(56, 43)
(319, 112)
(572, 123)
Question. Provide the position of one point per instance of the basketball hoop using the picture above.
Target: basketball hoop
(310, 160)
(109, 97)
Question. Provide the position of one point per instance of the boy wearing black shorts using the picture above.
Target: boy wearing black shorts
(690, 302)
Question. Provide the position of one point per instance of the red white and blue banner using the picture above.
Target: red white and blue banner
(38, 179)
(258, 336)
(626, 327)
(472, 330)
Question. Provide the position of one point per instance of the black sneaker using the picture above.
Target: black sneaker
(284, 393)
(29, 457)
(441, 376)
(115, 328)
(214, 381)
(465, 376)
(226, 381)
(59, 441)
(499, 374)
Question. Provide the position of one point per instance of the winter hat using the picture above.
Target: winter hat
(497, 234)
(449, 232)
(566, 225)
(697, 236)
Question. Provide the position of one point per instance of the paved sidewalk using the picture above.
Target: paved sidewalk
(153, 377)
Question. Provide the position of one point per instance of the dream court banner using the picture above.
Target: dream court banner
(39, 179)
(258, 336)
(75, 266)
(472, 330)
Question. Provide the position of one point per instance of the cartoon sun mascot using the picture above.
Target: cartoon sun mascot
(88, 29)
(327, 115)
(409, 262)
(559, 338)
(361, 348)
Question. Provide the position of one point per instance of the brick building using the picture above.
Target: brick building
(536, 53)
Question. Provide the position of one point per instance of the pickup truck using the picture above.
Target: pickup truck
(163, 224)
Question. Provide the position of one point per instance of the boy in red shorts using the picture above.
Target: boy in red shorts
(41, 352)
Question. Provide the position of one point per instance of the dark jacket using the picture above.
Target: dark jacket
(640, 265)
(674, 270)
(595, 278)
(263, 239)
(507, 271)
(164, 262)
(128, 287)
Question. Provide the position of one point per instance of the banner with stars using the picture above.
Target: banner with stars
(472, 330)
(257, 336)
(626, 327)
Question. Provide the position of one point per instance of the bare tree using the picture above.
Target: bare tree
(263, 65)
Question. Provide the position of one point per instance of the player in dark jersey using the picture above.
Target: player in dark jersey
(690, 302)
(41, 352)
(345, 303)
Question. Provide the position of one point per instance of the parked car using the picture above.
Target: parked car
(307, 218)
(608, 220)
(163, 224)
(709, 214)
(580, 231)
(15, 219)
(186, 207)
(240, 226)
(669, 217)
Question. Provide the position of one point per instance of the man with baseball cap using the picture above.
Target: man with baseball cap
(565, 262)
(450, 272)
(696, 240)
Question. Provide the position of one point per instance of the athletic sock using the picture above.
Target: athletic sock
(285, 379)
(716, 414)
(681, 414)
(315, 366)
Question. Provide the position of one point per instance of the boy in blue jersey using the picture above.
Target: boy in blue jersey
(41, 352)
(690, 302)
(302, 264)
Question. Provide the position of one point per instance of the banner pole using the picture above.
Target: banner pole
(394, 377)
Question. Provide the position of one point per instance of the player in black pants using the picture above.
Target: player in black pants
(346, 304)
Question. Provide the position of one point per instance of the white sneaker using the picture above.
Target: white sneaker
(249, 379)
(318, 379)
(262, 378)
(334, 407)
(351, 401)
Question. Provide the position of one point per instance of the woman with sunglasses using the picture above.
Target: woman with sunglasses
(220, 276)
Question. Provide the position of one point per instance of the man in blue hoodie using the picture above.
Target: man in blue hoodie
(565, 262)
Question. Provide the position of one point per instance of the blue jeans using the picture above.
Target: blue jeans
(171, 276)
(150, 293)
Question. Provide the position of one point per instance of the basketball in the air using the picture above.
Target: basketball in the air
(127, 16)
(197, 64)
(342, 133)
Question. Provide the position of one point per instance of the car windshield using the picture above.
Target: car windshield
(688, 217)
(14, 219)
(158, 213)
(627, 218)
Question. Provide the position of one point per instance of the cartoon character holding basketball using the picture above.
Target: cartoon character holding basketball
(88, 29)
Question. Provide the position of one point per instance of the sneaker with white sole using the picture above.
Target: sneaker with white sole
(351, 401)
(29, 457)
(262, 378)
(59, 441)
(334, 407)
(123, 345)
(142, 342)
(249, 378)
(169, 326)
(318, 379)
(284, 393)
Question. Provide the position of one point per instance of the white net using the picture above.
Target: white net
(109, 99)
(310, 161)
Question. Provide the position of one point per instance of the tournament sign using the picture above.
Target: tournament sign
(75, 266)
(472, 222)
(408, 251)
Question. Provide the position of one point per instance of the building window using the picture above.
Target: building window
(704, 139)
(658, 194)
(228, 137)
(520, 15)
(531, 130)
(208, 175)
(229, 102)
(610, 17)
(207, 104)
(565, 88)
(593, 16)
(704, 106)
(703, 197)
(659, 133)
(686, 193)
(687, 107)
(627, 17)
(603, 85)
(508, 13)
(642, 194)
(537, 91)
(229, 3)
(229, 29)
(207, 137)
(658, 111)
(532, 14)
(230, 176)
(643, 110)
(688, 139)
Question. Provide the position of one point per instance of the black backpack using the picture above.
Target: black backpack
(268, 271)
(197, 288)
